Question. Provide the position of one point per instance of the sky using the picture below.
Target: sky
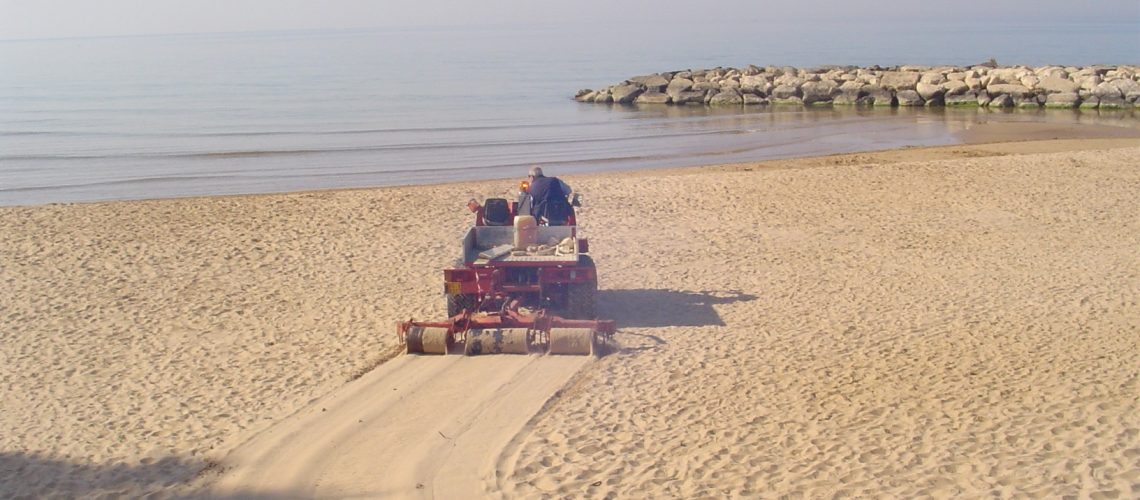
(30, 19)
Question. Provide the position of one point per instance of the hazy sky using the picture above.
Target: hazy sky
(72, 18)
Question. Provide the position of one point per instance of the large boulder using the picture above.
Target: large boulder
(689, 97)
(899, 80)
(834, 74)
(1131, 90)
(1012, 89)
(851, 86)
(1107, 89)
(1126, 72)
(1052, 72)
(909, 98)
(728, 97)
(786, 92)
(728, 83)
(932, 78)
(1032, 101)
(653, 97)
(955, 87)
(1088, 82)
(678, 85)
(930, 91)
(820, 91)
(1055, 84)
(604, 97)
(706, 85)
(753, 100)
(881, 97)
(626, 94)
(654, 81)
(1113, 102)
(794, 100)
(847, 98)
(965, 100)
(1010, 76)
(790, 80)
(1063, 100)
(1001, 101)
(782, 70)
(758, 82)
(585, 96)
(657, 83)
(868, 75)
(1127, 89)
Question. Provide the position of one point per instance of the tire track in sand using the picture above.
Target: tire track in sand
(415, 427)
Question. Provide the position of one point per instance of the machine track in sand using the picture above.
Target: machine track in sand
(415, 427)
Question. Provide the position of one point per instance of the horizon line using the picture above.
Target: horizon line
(531, 24)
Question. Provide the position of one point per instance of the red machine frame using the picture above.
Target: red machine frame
(498, 307)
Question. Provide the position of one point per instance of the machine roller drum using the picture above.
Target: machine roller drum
(427, 340)
(497, 341)
(579, 341)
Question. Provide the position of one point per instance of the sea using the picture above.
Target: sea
(160, 116)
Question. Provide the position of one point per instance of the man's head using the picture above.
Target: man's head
(536, 171)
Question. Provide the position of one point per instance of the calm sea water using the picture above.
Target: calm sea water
(180, 115)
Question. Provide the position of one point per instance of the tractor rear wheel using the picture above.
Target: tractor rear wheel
(457, 303)
(582, 298)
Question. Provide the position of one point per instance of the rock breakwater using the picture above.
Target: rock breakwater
(986, 85)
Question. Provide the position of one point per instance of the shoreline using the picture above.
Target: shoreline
(149, 339)
(979, 134)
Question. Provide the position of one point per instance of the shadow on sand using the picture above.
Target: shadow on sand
(660, 308)
(24, 475)
(32, 476)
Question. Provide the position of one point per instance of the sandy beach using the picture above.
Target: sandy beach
(951, 321)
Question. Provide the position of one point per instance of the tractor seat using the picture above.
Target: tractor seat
(496, 212)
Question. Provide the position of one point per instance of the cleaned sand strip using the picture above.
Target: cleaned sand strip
(416, 427)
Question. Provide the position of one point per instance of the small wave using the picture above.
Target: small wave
(372, 131)
(15, 133)
(295, 133)
(121, 182)
(256, 153)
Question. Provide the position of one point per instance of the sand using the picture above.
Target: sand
(957, 321)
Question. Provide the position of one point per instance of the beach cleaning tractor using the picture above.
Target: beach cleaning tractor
(522, 286)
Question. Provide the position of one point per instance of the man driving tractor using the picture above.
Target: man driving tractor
(550, 198)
